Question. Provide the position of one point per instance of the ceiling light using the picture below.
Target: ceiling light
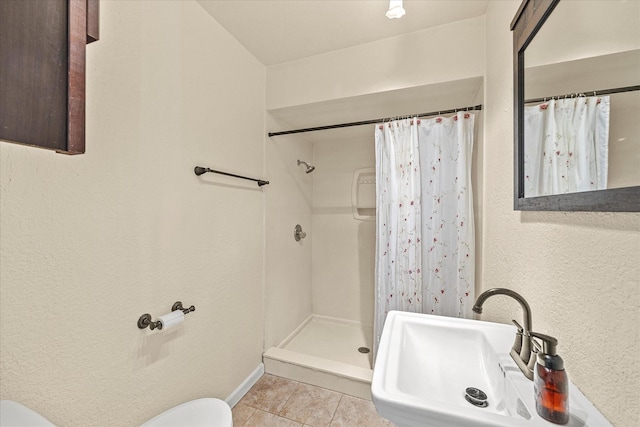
(395, 9)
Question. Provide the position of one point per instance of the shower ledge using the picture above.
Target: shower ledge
(329, 374)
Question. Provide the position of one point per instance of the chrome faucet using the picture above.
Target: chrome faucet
(521, 352)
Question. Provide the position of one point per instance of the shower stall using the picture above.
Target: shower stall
(320, 289)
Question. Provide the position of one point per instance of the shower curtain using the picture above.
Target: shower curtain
(424, 218)
(566, 146)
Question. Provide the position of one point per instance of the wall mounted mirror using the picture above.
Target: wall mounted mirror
(576, 105)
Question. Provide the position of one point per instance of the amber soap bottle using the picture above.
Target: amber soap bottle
(550, 382)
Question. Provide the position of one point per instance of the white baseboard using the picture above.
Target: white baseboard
(246, 385)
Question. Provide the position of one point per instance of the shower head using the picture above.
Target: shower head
(309, 167)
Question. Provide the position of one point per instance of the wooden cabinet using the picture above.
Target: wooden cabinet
(42, 71)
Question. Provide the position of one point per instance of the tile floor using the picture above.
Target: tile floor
(279, 402)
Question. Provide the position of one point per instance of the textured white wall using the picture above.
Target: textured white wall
(89, 243)
(343, 247)
(578, 271)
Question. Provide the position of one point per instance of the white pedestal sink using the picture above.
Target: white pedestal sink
(425, 363)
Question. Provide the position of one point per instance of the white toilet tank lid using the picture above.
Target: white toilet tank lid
(13, 414)
(205, 412)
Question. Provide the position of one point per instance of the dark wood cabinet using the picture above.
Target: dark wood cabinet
(42, 71)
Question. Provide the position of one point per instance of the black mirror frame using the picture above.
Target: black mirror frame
(526, 23)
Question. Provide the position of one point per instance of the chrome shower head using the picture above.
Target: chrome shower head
(309, 167)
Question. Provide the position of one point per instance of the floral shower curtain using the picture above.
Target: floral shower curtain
(567, 145)
(425, 234)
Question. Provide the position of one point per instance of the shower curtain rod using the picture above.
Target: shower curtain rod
(373, 122)
(595, 93)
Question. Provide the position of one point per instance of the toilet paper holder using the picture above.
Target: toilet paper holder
(145, 320)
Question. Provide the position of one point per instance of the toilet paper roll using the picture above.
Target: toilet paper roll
(171, 320)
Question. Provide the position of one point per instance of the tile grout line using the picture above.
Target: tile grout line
(336, 410)
(304, 424)
(277, 414)
(287, 400)
(250, 416)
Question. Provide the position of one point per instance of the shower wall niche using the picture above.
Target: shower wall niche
(363, 194)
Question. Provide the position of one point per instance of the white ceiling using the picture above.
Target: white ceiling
(277, 31)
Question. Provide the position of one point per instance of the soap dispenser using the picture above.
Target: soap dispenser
(550, 382)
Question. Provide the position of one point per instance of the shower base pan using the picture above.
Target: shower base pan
(326, 352)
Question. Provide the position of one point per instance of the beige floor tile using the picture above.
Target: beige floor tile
(241, 414)
(270, 393)
(354, 412)
(312, 406)
(265, 419)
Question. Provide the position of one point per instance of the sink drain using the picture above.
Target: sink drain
(363, 350)
(476, 397)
